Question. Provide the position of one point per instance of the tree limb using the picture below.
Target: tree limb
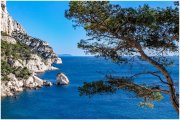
(152, 73)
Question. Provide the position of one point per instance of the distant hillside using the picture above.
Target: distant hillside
(65, 55)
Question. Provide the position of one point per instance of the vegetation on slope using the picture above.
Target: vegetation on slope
(10, 53)
(15, 51)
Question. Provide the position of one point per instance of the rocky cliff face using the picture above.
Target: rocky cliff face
(8, 25)
(12, 28)
(38, 46)
(22, 56)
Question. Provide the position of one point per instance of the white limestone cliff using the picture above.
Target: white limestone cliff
(8, 25)
(41, 58)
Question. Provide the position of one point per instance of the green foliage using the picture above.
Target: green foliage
(15, 51)
(5, 68)
(4, 33)
(19, 72)
(3, 6)
(22, 72)
(158, 96)
(112, 84)
(95, 87)
(112, 30)
(5, 78)
(146, 104)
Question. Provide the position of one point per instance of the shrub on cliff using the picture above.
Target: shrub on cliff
(15, 51)
(4, 33)
(6, 68)
(10, 53)
(22, 72)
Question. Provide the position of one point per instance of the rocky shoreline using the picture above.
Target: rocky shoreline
(23, 57)
(35, 64)
(15, 86)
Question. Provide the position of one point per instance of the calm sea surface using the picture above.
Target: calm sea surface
(65, 102)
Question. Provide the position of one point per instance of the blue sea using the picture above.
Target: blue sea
(64, 102)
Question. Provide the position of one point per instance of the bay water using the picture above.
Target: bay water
(64, 102)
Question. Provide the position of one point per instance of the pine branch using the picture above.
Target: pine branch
(152, 73)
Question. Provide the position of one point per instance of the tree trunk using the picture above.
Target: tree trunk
(163, 70)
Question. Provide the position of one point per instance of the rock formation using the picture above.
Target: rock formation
(39, 46)
(62, 79)
(8, 25)
(19, 69)
(47, 83)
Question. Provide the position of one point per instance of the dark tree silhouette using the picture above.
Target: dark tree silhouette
(114, 31)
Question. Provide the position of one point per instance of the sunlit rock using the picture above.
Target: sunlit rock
(62, 79)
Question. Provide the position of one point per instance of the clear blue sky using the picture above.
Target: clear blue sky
(45, 20)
